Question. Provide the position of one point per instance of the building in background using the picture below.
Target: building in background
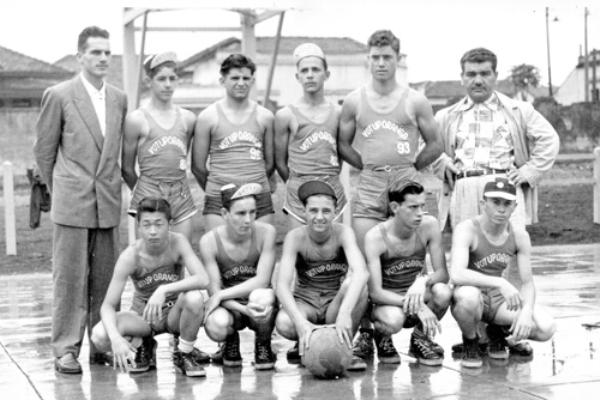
(572, 89)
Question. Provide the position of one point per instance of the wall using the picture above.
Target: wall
(17, 134)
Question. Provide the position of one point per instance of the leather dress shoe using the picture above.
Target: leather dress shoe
(67, 364)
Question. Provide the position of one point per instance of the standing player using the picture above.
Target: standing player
(331, 272)
(239, 257)
(306, 135)
(158, 135)
(383, 121)
(482, 248)
(163, 300)
(237, 134)
(402, 293)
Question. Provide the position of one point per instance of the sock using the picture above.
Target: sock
(185, 346)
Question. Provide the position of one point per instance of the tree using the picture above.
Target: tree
(524, 77)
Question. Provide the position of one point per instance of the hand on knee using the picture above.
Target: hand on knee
(263, 297)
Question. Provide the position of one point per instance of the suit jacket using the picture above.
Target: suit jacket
(80, 165)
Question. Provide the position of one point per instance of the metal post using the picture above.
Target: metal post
(141, 63)
(586, 81)
(267, 102)
(597, 185)
(9, 209)
(548, 52)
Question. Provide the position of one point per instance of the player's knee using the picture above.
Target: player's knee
(285, 326)
(441, 295)
(100, 338)
(545, 329)
(466, 298)
(389, 320)
(219, 324)
(193, 301)
(264, 297)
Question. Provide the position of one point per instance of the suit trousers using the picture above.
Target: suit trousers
(83, 264)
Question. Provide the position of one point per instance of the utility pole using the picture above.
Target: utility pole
(548, 52)
(586, 65)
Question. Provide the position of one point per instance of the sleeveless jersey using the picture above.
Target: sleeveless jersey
(399, 269)
(145, 280)
(385, 139)
(491, 259)
(317, 271)
(312, 150)
(235, 272)
(163, 154)
(236, 153)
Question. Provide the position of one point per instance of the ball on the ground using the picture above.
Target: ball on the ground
(326, 357)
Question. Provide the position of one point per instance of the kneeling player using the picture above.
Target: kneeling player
(482, 248)
(401, 292)
(163, 300)
(331, 272)
(239, 257)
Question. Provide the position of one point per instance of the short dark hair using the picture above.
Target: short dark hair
(479, 55)
(382, 38)
(90, 31)
(399, 193)
(153, 204)
(237, 61)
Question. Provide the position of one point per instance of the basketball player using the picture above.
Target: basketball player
(163, 300)
(237, 134)
(239, 257)
(306, 135)
(482, 248)
(331, 272)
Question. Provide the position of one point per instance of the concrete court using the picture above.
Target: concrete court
(568, 367)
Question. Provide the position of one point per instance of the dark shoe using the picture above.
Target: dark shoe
(497, 348)
(471, 357)
(101, 359)
(386, 352)
(264, 358)
(200, 356)
(422, 348)
(229, 352)
(293, 355)
(67, 364)
(187, 364)
(357, 364)
(363, 345)
(145, 356)
(522, 349)
(458, 348)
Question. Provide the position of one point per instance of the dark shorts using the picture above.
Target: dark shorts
(492, 300)
(264, 205)
(292, 204)
(177, 193)
(318, 300)
(162, 326)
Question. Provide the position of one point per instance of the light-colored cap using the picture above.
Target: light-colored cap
(307, 50)
(232, 191)
(154, 61)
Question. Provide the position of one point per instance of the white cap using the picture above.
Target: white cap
(307, 50)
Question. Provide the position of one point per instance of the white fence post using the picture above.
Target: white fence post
(9, 210)
(597, 185)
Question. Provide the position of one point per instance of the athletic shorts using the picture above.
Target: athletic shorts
(370, 200)
(492, 300)
(319, 300)
(264, 205)
(177, 193)
(162, 326)
(292, 204)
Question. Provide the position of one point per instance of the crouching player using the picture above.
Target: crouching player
(163, 300)
(401, 292)
(331, 272)
(482, 248)
(239, 257)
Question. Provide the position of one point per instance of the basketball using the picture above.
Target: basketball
(326, 357)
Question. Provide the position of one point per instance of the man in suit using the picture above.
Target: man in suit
(77, 147)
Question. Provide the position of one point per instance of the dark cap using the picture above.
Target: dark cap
(232, 191)
(312, 188)
(500, 188)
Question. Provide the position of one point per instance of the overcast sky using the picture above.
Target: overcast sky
(433, 33)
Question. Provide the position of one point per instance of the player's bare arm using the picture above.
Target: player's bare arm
(136, 127)
(347, 130)
(429, 131)
(201, 144)
(283, 130)
(266, 120)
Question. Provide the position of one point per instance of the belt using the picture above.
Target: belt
(479, 172)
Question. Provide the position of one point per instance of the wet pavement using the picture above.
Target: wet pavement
(567, 367)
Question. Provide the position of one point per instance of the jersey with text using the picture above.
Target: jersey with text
(234, 272)
(146, 279)
(488, 258)
(400, 267)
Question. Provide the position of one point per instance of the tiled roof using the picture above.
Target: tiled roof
(16, 63)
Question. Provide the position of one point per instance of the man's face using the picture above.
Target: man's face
(319, 212)
(383, 62)
(238, 83)
(163, 84)
(95, 58)
(311, 74)
(410, 212)
(479, 79)
(241, 215)
(498, 210)
(153, 228)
